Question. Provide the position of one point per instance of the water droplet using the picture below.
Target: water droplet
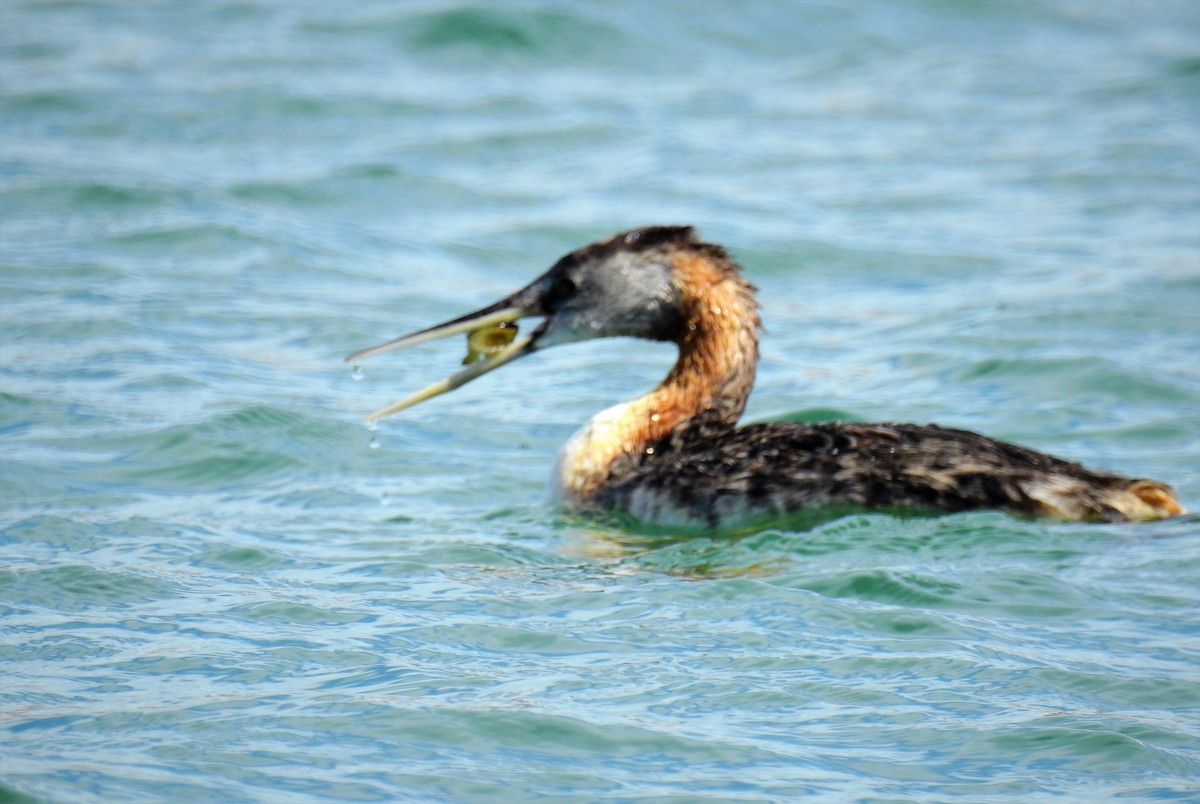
(358, 371)
(375, 442)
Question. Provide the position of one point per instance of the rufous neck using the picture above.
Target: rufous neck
(707, 388)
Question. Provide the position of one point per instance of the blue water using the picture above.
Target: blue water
(217, 584)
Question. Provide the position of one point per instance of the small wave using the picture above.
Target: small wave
(488, 32)
(72, 587)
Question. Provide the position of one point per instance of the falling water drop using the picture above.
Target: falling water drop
(358, 371)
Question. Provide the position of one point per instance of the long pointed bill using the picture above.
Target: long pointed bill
(524, 303)
(519, 347)
(487, 317)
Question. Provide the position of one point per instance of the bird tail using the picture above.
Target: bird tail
(1150, 500)
(1123, 501)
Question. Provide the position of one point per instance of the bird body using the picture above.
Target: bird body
(778, 469)
(676, 454)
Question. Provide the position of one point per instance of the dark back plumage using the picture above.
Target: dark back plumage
(781, 468)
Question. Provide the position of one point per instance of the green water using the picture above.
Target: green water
(217, 584)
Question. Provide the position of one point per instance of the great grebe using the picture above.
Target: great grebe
(676, 454)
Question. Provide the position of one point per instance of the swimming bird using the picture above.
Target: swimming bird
(676, 455)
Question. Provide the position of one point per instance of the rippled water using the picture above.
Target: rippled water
(216, 583)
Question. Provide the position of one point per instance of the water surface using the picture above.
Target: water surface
(217, 584)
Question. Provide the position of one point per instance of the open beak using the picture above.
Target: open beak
(522, 304)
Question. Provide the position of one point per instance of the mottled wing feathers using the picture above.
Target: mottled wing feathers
(786, 467)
